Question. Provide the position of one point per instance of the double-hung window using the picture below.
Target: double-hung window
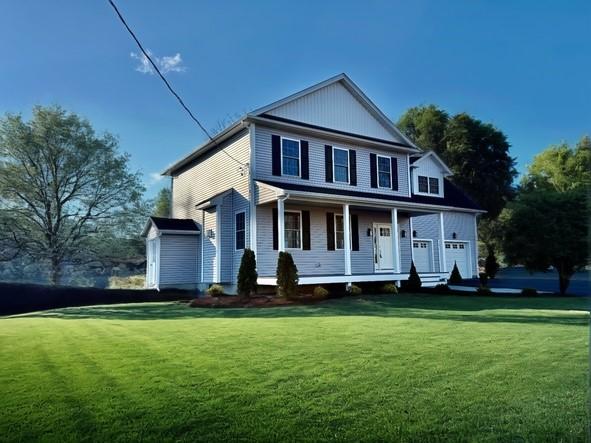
(341, 165)
(384, 172)
(293, 230)
(428, 185)
(433, 185)
(423, 184)
(290, 157)
(339, 232)
(240, 230)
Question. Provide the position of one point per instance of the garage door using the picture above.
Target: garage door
(423, 255)
(457, 252)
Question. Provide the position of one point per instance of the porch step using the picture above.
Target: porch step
(430, 281)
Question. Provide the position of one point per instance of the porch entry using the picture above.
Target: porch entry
(383, 258)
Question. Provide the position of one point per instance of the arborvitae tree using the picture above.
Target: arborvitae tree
(455, 277)
(247, 274)
(287, 276)
(414, 281)
(491, 266)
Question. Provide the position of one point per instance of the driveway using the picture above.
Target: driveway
(519, 278)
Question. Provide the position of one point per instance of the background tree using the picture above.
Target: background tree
(560, 168)
(162, 203)
(548, 228)
(425, 125)
(62, 187)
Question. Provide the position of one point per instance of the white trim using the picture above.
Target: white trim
(218, 244)
(242, 211)
(411, 236)
(375, 228)
(430, 240)
(252, 201)
(446, 170)
(203, 237)
(476, 252)
(378, 170)
(281, 225)
(428, 278)
(429, 193)
(408, 174)
(395, 240)
(334, 180)
(347, 238)
(294, 211)
(299, 157)
(443, 262)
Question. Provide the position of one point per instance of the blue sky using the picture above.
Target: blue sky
(522, 65)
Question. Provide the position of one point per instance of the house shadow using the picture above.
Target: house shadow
(466, 309)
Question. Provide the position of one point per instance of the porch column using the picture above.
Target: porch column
(411, 237)
(347, 239)
(281, 224)
(442, 263)
(395, 241)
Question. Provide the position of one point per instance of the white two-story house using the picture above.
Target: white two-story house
(324, 175)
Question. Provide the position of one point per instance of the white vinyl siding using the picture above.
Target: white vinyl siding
(179, 260)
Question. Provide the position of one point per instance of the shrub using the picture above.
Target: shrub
(390, 288)
(455, 278)
(483, 279)
(287, 276)
(441, 288)
(129, 282)
(247, 274)
(529, 292)
(483, 290)
(215, 289)
(491, 266)
(354, 290)
(414, 281)
(320, 292)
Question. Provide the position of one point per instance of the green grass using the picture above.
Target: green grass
(410, 368)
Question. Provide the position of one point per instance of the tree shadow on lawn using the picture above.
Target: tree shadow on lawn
(456, 308)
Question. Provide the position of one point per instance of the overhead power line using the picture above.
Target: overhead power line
(170, 88)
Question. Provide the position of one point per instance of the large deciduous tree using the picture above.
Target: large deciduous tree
(64, 190)
(548, 228)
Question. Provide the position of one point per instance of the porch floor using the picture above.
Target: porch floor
(427, 278)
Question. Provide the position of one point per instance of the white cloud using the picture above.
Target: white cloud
(165, 63)
(154, 177)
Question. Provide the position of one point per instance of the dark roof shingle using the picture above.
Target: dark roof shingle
(174, 224)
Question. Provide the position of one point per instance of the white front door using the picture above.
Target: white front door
(383, 247)
(423, 255)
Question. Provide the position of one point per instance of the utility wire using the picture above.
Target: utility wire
(172, 91)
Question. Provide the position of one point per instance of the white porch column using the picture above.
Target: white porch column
(395, 241)
(281, 224)
(411, 237)
(347, 239)
(442, 263)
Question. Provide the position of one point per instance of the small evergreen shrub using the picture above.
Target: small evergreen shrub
(320, 293)
(354, 290)
(215, 289)
(455, 278)
(483, 279)
(287, 276)
(529, 292)
(441, 288)
(414, 281)
(247, 274)
(483, 290)
(491, 266)
(390, 288)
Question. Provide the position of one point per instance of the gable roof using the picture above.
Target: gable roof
(337, 83)
(172, 225)
(415, 161)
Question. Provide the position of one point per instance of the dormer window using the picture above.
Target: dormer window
(428, 185)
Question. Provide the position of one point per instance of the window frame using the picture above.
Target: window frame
(334, 176)
(236, 230)
(429, 185)
(426, 177)
(301, 229)
(283, 174)
(336, 248)
(378, 171)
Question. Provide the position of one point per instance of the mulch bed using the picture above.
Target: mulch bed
(264, 301)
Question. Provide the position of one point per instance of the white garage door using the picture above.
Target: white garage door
(423, 255)
(457, 252)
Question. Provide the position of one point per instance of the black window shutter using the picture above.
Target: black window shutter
(353, 167)
(355, 232)
(305, 160)
(328, 163)
(306, 230)
(275, 229)
(330, 231)
(373, 170)
(276, 154)
(394, 162)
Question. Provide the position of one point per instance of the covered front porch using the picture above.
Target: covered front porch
(343, 240)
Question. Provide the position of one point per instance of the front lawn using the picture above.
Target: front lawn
(410, 368)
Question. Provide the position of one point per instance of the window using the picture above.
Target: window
(433, 185)
(428, 185)
(240, 229)
(339, 232)
(341, 165)
(384, 177)
(290, 157)
(423, 184)
(293, 230)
